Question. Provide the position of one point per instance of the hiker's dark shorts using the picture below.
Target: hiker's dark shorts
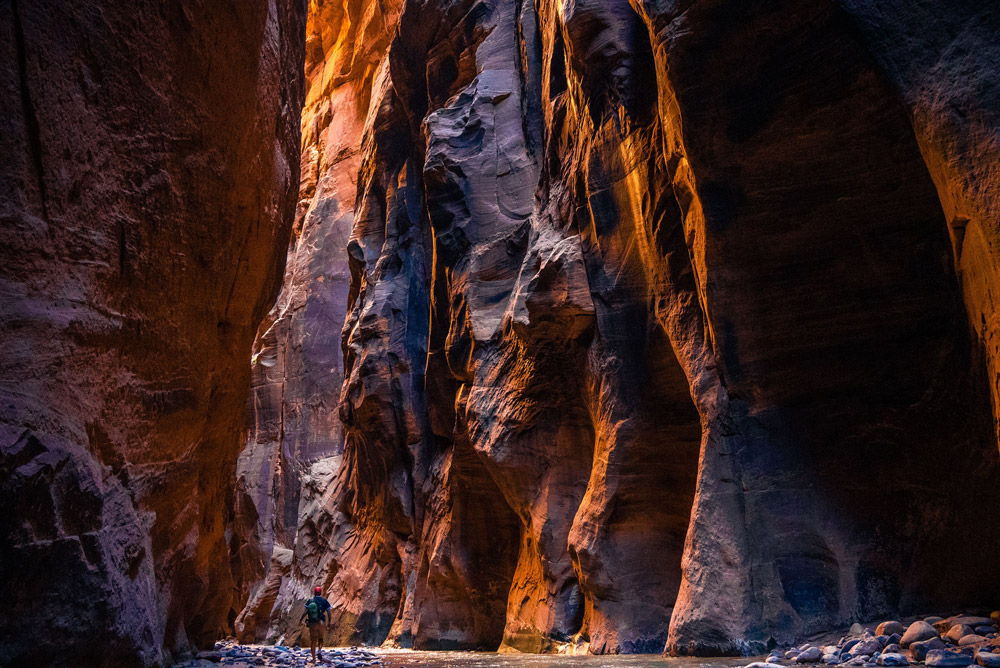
(316, 631)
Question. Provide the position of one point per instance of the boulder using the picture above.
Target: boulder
(988, 660)
(916, 632)
(809, 655)
(957, 632)
(888, 628)
(892, 659)
(920, 648)
(944, 658)
(866, 647)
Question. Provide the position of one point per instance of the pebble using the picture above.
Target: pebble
(892, 659)
(231, 655)
(916, 632)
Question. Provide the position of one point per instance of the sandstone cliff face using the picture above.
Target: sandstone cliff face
(149, 174)
(671, 324)
(295, 437)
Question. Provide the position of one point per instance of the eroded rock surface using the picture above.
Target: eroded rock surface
(664, 318)
(149, 175)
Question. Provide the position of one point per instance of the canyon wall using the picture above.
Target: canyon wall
(150, 166)
(671, 324)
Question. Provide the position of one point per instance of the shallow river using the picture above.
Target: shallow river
(411, 659)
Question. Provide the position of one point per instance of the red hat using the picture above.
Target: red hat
(318, 590)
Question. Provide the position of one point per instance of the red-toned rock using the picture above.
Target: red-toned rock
(149, 175)
(295, 433)
(640, 279)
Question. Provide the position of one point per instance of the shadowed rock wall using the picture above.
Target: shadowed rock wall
(149, 172)
(670, 324)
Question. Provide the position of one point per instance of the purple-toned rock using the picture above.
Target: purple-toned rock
(943, 658)
(920, 648)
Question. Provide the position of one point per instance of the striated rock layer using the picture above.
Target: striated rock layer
(670, 324)
(149, 174)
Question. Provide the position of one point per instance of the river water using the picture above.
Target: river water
(412, 659)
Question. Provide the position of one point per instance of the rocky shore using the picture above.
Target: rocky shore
(228, 653)
(953, 642)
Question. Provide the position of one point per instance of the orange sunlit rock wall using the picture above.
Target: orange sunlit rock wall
(149, 159)
(670, 325)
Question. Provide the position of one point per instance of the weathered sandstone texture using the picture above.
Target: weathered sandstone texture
(149, 166)
(670, 324)
(295, 438)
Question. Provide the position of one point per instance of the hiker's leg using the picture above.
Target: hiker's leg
(312, 641)
(319, 642)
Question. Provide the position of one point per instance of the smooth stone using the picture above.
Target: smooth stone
(933, 619)
(848, 645)
(857, 629)
(831, 659)
(856, 662)
(988, 660)
(810, 655)
(984, 630)
(891, 647)
(890, 627)
(759, 664)
(916, 632)
(895, 638)
(943, 658)
(866, 646)
(892, 659)
(971, 639)
(920, 648)
(957, 632)
(883, 639)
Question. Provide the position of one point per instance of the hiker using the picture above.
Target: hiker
(315, 617)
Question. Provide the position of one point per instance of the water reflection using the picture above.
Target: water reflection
(411, 659)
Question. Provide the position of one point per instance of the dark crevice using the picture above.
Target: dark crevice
(30, 119)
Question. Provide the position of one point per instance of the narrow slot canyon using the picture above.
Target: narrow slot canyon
(533, 327)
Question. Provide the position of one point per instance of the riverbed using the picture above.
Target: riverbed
(412, 659)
